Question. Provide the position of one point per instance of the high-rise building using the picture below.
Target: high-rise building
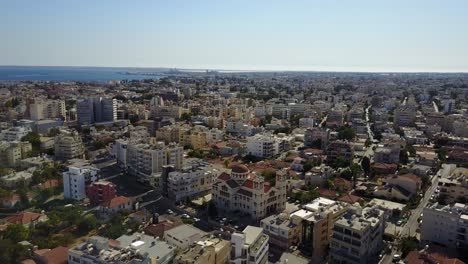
(94, 110)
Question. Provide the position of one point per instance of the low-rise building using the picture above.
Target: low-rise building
(283, 231)
(135, 249)
(183, 236)
(194, 179)
(100, 192)
(249, 246)
(208, 251)
(455, 187)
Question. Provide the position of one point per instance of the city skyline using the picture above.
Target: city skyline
(363, 36)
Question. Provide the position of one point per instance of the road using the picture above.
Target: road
(409, 229)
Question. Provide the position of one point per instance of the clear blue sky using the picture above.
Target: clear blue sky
(352, 35)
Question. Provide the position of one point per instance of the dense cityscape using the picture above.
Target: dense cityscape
(241, 167)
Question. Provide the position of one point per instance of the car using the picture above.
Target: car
(224, 219)
(185, 216)
(196, 219)
(396, 258)
(169, 211)
(399, 222)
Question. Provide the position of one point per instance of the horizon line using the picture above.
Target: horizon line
(236, 70)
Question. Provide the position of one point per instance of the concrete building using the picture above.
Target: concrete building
(92, 110)
(183, 236)
(262, 146)
(195, 179)
(14, 133)
(46, 109)
(317, 135)
(316, 221)
(283, 231)
(135, 249)
(455, 187)
(209, 251)
(68, 145)
(340, 149)
(145, 160)
(76, 178)
(249, 246)
(358, 236)
(11, 153)
(100, 192)
(446, 225)
(249, 193)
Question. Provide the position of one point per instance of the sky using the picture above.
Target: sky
(327, 35)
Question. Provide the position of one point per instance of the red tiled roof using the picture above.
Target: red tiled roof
(349, 198)
(49, 184)
(117, 201)
(224, 176)
(23, 218)
(248, 184)
(384, 166)
(239, 168)
(413, 177)
(58, 255)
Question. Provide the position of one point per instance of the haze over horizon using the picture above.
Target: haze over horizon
(370, 36)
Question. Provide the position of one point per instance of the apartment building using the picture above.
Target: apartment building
(316, 222)
(455, 187)
(317, 134)
(136, 249)
(249, 193)
(11, 153)
(357, 236)
(211, 250)
(446, 225)
(194, 179)
(262, 146)
(100, 192)
(249, 246)
(14, 133)
(341, 149)
(145, 160)
(183, 236)
(76, 178)
(284, 231)
(68, 145)
(92, 110)
(47, 109)
(404, 116)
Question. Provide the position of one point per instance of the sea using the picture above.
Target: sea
(62, 74)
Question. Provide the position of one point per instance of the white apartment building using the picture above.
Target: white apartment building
(14, 133)
(68, 145)
(358, 236)
(446, 225)
(145, 160)
(262, 146)
(249, 193)
(194, 179)
(250, 246)
(45, 109)
(76, 178)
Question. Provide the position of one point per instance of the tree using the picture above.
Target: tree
(16, 233)
(88, 223)
(35, 140)
(269, 176)
(340, 162)
(12, 252)
(328, 184)
(98, 144)
(404, 157)
(408, 244)
(365, 163)
(186, 116)
(346, 133)
(4, 193)
(212, 210)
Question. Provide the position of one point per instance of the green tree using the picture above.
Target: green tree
(269, 176)
(4, 193)
(16, 233)
(11, 252)
(408, 244)
(186, 116)
(346, 133)
(404, 157)
(98, 144)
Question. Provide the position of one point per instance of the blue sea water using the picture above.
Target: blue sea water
(40, 73)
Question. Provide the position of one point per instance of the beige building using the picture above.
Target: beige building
(209, 251)
(68, 145)
(455, 187)
(11, 153)
(316, 222)
(284, 231)
(249, 193)
(45, 109)
(144, 160)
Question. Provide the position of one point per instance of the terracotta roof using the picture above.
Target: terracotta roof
(58, 255)
(28, 261)
(224, 176)
(240, 168)
(23, 218)
(327, 193)
(49, 184)
(387, 166)
(248, 184)
(417, 257)
(116, 201)
(413, 177)
(349, 198)
(12, 198)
